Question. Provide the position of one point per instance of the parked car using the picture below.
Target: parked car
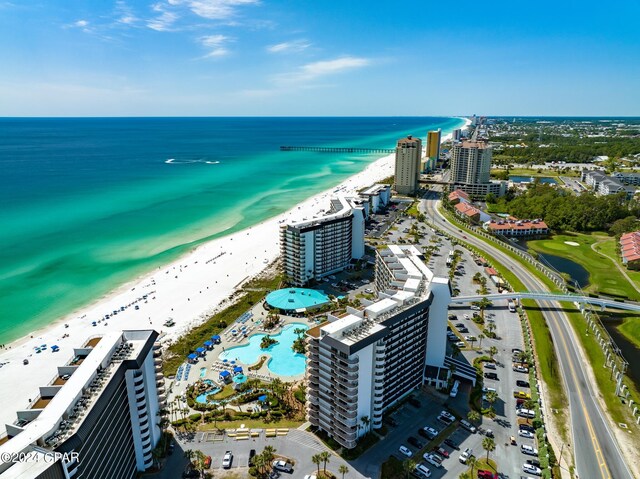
(432, 459)
(451, 443)
(520, 369)
(423, 433)
(448, 415)
(528, 450)
(390, 421)
(488, 365)
(531, 469)
(475, 308)
(468, 426)
(525, 433)
(522, 384)
(422, 470)
(533, 462)
(442, 451)
(284, 466)
(491, 376)
(415, 442)
(368, 291)
(252, 454)
(414, 402)
(207, 462)
(446, 420)
(404, 450)
(431, 432)
(466, 454)
(460, 344)
(484, 474)
(227, 460)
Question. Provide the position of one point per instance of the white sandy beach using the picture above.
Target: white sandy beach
(187, 290)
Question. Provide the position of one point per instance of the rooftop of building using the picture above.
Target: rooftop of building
(467, 209)
(459, 194)
(61, 406)
(516, 224)
(374, 189)
(340, 207)
(410, 141)
(481, 145)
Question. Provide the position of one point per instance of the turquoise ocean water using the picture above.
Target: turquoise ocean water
(89, 204)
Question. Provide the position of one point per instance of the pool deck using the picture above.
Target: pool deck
(213, 364)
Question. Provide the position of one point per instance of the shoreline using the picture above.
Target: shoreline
(187, 290)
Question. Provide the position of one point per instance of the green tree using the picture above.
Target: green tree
(491, 397)
(491, 198)
(473, 416)
(624, 225)
(365, 423)
(269, 454)
(326, 457)
(493, 350)
(408, 467)
(489, 445)
(480, 338)
(472, 464)
(316, 459)
(343, 470)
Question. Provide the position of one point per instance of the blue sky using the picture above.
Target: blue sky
(320, 57)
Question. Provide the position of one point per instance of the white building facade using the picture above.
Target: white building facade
(319, 247)
(365, 361)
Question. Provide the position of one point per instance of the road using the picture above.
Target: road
(596, 452)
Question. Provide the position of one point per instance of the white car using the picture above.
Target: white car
(460, 344)
(530, 450)
(368, 291)
(447, 415)
(465, 316)
(466, 454)
(283, 466)
(486, 389)
(406, 451)
(431, 432)
(525, 433)
(531, 469)
(520, 369)
(475, 308)
(423, 470)
(227, 460)
(430, 458)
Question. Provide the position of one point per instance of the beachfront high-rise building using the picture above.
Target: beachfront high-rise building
(433, 150)
(456, 134)
(365, 361)
(471, 168)
(100, 413)
(408, 164)
(313, 249)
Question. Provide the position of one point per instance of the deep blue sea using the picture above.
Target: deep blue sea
(89, 204)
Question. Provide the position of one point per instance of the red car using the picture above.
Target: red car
(487, 474)
(442, 451)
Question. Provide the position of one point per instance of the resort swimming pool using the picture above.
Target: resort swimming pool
(284, 361)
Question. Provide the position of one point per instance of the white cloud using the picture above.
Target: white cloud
(81, 23)
(213, 9)
(289, 47)
(163, 22)
(125, 14)
(215, 45)
(312, 71)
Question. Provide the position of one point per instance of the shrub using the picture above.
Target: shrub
(195, 417)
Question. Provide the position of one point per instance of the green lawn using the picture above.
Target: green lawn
(604, 277)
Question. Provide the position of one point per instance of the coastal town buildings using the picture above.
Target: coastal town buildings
(470, 212)
(100, 413)
(604, 185)
(364, 361)
(377, 196)
(630, 249)
(407, 165)
(458, 196)
(471, 167)
(315, 248)
(515, 227)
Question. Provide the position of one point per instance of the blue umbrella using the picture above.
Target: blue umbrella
(192, 356)
(225, 360)
(262, 398)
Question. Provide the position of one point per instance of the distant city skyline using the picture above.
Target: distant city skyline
(277, 58)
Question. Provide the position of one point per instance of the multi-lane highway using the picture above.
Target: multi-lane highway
(596, 452)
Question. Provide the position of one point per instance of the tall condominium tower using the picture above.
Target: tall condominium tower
(433, 149)
(364, 361)
(407, 171)
(99, 414)
(316, 248)
(471, 167)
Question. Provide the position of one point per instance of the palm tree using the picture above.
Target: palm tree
(259, 462)
(408, 466)
(472, 463)
(326, 457)
(464, 475)
(492, 397)
(343, 470)
(198, 460)
(480, 337)
(455, 350)
(489, 445)
(473, 416)
(492, 350)
(365, 423)
(316, 459)
(491, 327)
(269, 453)
(188, 454)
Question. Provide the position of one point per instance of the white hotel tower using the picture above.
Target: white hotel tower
(312, 249)
(363, 362)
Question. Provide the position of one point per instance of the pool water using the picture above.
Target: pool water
(284, 361)
(202, 398)
(203, 371)
(530, 179)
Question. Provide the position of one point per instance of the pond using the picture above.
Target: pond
(577, 272)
